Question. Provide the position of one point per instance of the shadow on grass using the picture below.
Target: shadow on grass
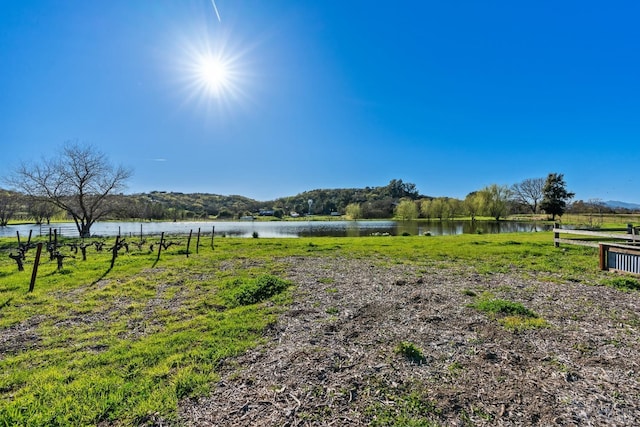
(6, 303)
(102, 277)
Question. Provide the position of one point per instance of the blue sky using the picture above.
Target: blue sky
(450, 95)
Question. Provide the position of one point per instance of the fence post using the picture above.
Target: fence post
(556, 235)
(604, 249)
(36, 262)
(115, 250)
(213, 231)
(53, 248)
(189, 242)
(160, 246)
(198, 241)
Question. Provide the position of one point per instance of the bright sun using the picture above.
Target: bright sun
(213, 74)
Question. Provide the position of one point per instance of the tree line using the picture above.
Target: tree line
(531, 196)
(81, 184)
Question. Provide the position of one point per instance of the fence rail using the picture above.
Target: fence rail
(621, 251)
(629, 235)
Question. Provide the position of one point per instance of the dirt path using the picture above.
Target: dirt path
(331, 359)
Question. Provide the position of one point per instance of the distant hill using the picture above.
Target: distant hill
(380, 203)
(624, 205)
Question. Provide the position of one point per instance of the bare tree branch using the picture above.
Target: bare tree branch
(79, 181)
(529, 193)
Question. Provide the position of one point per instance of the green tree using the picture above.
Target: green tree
(407, 210)
(354, 211)
(454, 207)
(495, 200)
(425, 208)
(555, 195)
(439, 207)
(474, 204)
(398, 189)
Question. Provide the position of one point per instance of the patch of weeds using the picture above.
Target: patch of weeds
(455, 368)
(501, 306)
(332, 310)
(410, 351)
(410, 409)
(469, 293)
(559, 365)
(623, 283)
(331, 290)
(583, 348)
(615, 342)
(479, 412)
(260, 289)
(520, 323)
(516, 317)
(327, 280)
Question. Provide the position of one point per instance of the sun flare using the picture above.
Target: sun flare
(213, 74)
(212, 71)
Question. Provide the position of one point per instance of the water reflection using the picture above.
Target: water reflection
(285, 228)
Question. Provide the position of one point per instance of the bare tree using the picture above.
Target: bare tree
(529, 193)
(78, 181)
(41, 211)
(8, 206)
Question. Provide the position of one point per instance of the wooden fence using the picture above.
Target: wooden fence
(619, 248)
(592, 238)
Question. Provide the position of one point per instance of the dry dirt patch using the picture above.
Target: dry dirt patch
(331, 358)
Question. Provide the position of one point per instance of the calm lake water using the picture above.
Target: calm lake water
(282, 228)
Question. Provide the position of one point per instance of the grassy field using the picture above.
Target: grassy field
(93, 344)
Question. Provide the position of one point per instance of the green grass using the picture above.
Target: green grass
(410, 352)
(512, 315)
(407, 405)
(93, 344)
(504, 307)
(123, 344)
(624, 283)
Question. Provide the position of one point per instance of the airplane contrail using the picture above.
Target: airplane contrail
(213, 2)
